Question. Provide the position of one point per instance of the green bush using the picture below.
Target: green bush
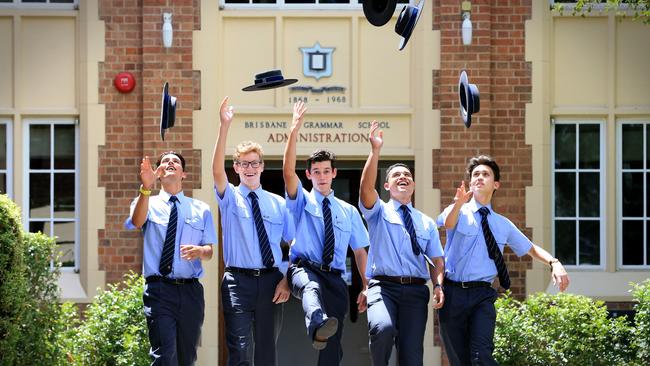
(641, 294)
(115, 330)
(560, 329)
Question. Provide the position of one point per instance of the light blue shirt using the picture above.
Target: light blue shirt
(466, 254)
(241, 246)
(391, 252)
(195, 226)
(307, 211)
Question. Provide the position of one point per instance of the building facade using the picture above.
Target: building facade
(565, 110)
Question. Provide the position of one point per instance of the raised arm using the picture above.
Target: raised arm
(460, 199)
(291, 179)
(367, 191)
(148, 178)
(218, 158)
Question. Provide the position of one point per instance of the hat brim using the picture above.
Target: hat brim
(466, 99)
(381, 17)
(164, 118)
(271, 85)
(404, 38)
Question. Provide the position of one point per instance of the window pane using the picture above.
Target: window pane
(299, 1)
(565, 146)
(33, 1)
(632, 242)
(39, 195)
(3, 183)
(632, 146)
(62, 1)
(589, 191)
(262, 1)
(333, 1)
(236, 1)
(589, 242)
(40, 227)
(64, 146)
(565, 194)
(565, 241)
(64, 195)
(3, 146)
(64, 232)
(632, 195)
(39, 147)
(589, 151)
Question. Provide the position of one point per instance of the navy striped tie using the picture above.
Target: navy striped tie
(493, 249)
(408, 223)
(167, 256)
(328, 247)
(265, 247)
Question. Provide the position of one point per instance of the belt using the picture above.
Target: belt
(402, 280)
(317, 266)
(255, 272)
(171, 281)
(467, 284)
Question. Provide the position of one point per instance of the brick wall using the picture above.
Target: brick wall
(134, 44)
(495, 63)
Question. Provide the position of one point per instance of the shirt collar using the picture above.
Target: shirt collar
(319, 196)
(245, 190)
(474, 205)
(397, 204)
(165, 195)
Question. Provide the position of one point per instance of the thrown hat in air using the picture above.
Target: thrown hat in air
(379, 12)
(406, 22)
(168, 111)
(470, 101)
(269, 80)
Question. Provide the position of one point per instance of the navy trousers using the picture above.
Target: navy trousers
(467, 322)
(397, 315)
(252, 320)
(174, 315)
(323, 295)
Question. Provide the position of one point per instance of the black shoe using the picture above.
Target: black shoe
(327, 329)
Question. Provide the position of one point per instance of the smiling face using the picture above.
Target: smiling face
(249, 167)
(400, 183)
(173, 169)
(321, 175)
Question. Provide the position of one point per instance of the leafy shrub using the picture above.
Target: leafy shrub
(641, 294)
(560, 329)
(115, 330)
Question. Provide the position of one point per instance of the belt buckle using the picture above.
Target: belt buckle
(325, 267)
(463, 285)
(404, 280)
(257, 272)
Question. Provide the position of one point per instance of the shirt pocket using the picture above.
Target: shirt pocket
(342, 230)
(193, 231)
(273, 224)
(423, 237)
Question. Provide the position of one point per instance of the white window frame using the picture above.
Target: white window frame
(603, 192)
(18, 4)
(26, 219)
(9, 171)
(619, 193)
(280, 4)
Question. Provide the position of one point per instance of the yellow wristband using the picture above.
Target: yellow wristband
(145, 192)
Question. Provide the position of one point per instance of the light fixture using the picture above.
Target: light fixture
(467, 29)
(167, 31)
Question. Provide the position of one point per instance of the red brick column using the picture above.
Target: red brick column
(134, 44)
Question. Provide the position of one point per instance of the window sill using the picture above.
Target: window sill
(605, 286)
(71, 288)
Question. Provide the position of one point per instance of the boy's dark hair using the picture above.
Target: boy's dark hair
(182, 159)
(321, 155)
(483, 160)
(396, 165)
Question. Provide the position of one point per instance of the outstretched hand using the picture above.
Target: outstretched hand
(299, 109)
(462, 196)
(225, 112)
(147, 174)
(376, 141)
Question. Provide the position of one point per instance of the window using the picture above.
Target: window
(633, 198)
(6, 160)
(51, 185)
(49, 4)
(578, 193)
(300, 4)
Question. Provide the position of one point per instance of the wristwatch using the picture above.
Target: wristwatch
(437, 285)
(145, 192)
(552, 261)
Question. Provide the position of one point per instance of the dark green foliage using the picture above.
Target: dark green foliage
(560, 329)
(641, 294)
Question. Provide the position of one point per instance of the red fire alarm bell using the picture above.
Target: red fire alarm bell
(124, 82)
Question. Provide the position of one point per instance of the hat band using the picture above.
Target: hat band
(269, 79)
